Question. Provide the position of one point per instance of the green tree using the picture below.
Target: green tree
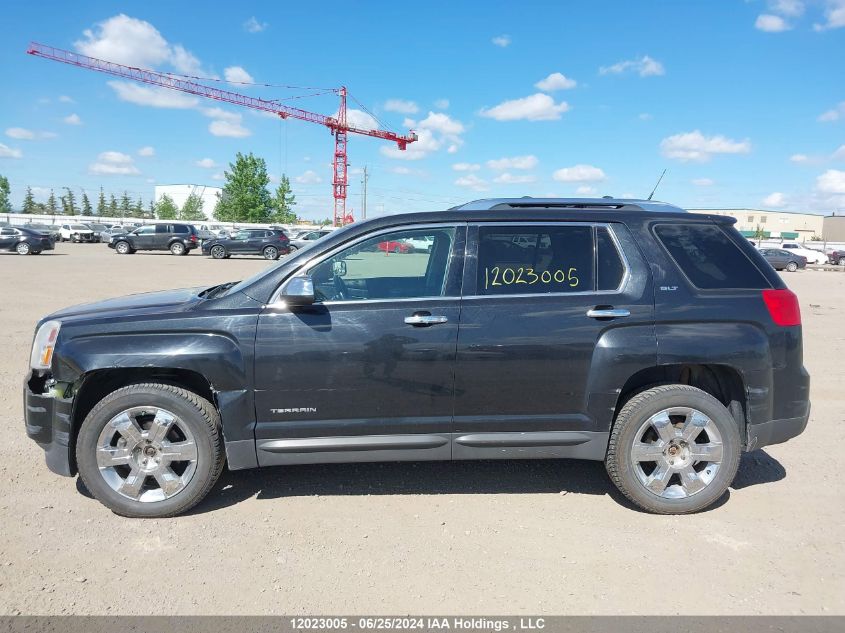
(69, 203)
(52, 206)
(29, 205)
(101, 204)
(138, 209)
(192, 209)
(245, 196)
(151, 211)
(5, 192)
(166, 209)
(283, 203)
(113, 211)
(86, 205)
(125, 205)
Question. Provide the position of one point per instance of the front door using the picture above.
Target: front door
(540, 305)
(366, 373)
(8, 238)
(145, 237)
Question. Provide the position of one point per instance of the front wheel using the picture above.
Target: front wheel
(841, 261)
(217, 252)
(122, 248)
(177, 248)
(270, 252)
(674, 449)
(150, 450)
(792, 267)
(23, 248)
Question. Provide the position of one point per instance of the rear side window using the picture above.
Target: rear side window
(708, 257)
(529, 259)
(181, 228)
(609, 266)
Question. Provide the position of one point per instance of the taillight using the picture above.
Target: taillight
(194, 238)
(783, 306)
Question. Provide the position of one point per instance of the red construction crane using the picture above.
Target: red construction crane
(337, 125)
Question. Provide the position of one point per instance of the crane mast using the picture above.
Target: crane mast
(338, 126)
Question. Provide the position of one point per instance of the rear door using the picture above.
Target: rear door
(161, 238)
(541, 301)
(8, 237)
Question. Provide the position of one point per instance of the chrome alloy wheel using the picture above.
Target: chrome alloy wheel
(677, 452)
(146, 454)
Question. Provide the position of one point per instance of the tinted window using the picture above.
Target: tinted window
(609, 266)
(163, 228)
(146, 230)
(181, 228)
(708, 257)
(535, 259)
(368, 271)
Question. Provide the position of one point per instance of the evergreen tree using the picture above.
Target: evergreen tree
(138, 209)
(166, 209)
(113, 210)
(125, 205)
(102, 210)
(151, 211)
(69, 202)
(5, 192)
(283, 203)
(29, 205)
(245, 196)
(52, 206)
(192, 209)
(86, 205)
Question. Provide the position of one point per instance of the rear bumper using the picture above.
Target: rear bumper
(48, 422)
(776, 431)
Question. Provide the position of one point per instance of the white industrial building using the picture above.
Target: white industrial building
(180, 193)
(789, 225)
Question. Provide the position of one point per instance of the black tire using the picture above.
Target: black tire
(123, 248)
(397, 250)
(293, 249)
(841, 261)
(177, 248)
(792, 267)
(270, 252)
(217, 252)
(197, 413)
(629, 422)
(23, 248)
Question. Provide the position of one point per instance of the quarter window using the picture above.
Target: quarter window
(527, 259)
(387, 266)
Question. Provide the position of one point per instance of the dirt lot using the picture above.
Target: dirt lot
(464, 538)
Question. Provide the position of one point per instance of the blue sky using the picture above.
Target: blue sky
(742, 101)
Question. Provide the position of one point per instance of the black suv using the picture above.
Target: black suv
(271, 243)
(177, 238)
(629, 332)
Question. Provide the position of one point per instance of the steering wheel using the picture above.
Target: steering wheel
(341, 291)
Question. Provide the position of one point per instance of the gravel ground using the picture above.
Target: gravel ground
(427, 538)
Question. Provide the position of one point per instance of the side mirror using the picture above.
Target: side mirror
(339, 268)
(299, 291)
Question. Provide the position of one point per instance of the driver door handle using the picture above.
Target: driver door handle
(422, 320)
(608, 313)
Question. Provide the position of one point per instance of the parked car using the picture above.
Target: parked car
(781, 259)
(101, 232)
(837, 257)
(306, 238)
(24, 241)
(76, 233)
(178, 238)
(632, 333)
(271, 243)
(420, 245)
(214, 230)
(53, 230)
(395, 246)
(812, 256)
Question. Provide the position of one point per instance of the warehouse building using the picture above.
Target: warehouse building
(788, 225)
(834, 228)
(180, 193)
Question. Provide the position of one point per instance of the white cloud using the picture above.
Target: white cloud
(436, 131)
(775, 199)
(555, 81)
(528, 161)
(792, 8)
(644, 116)
(404, 171)
(537, 107)
(441, 104)
(585, 190)
(72, 119)
(771, 23)
(206, 163)
(237, 75)
(471, 181)
(831, 181)
(466, 166)
(228, 127)
(839, 154)
(502, 41)
(134, 42)
(703, 182)
(113, 163)
(508, 178)
(402, 106)
(253, 25)
(834, 16)
(834, 114)
(579, 173)
(694, 146)
(220, 113)
(218, 176)
(152, 96)
(147, 151)
(10, 152)
(360, 119)
(644, 66)
(799, 158)
(24, 134)
(65, 99)
(310, 177)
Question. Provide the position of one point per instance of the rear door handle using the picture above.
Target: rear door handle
(423, 320)
(608, 313)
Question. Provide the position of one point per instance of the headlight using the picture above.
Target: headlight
(43, 345)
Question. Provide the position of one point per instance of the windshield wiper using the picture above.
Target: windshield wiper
(217, 291)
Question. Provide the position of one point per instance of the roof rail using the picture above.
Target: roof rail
(527, 202)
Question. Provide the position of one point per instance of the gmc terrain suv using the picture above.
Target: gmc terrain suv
(179, 239)
(626, 331)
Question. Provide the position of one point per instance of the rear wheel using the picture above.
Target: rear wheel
(177, 248)
(23, 248)
(841, 261)
(792, 267)
(150, 450)
(270, 252)
(218, 252)
(122, 248)
(397, 249)
(674, 449)
(293, 248)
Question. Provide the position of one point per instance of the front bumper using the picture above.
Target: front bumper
(48, 422)
(82, 237)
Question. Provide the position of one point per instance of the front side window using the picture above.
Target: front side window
(372, 270)
(146, 230)
(528, 259)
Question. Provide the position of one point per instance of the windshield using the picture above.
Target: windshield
(79, 227)
(98, 227)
